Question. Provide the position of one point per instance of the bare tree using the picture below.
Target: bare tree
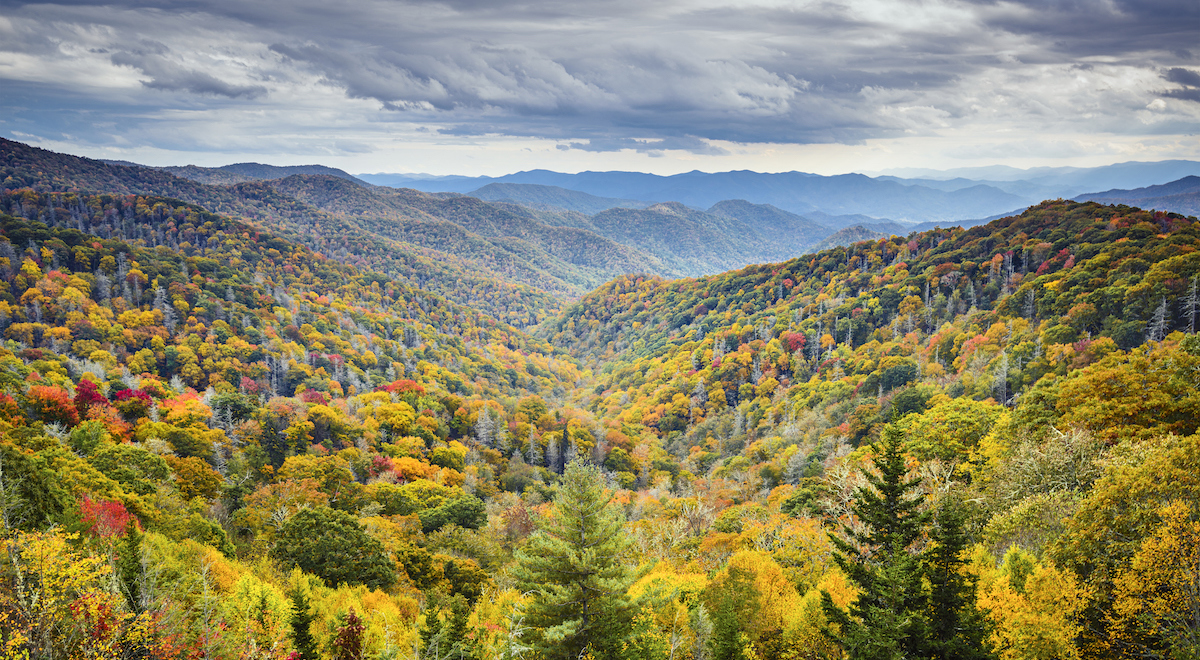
(1157, 328)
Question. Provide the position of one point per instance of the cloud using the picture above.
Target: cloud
(1188, 79)
(155, 61)
(1183, 77)
(610, 77)
(689, 144)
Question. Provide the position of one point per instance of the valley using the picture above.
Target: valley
(240, 403)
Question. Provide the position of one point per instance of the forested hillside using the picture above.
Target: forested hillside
(218, 443)
(502, 261)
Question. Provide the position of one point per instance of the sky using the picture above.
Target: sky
(489, 87)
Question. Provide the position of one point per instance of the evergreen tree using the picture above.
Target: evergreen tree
(574, 567)
(433, 634)
(303, 643)
(887, 620)
(129, 567)
(462, 647)
(735, 606)
(958, 630)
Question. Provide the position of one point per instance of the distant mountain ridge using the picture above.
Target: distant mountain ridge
(934, 198)
(240, 172)
(795, 192)
(554, 197)
(1181, 196)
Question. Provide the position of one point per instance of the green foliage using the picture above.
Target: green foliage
(465, 511)
(130, 571)
(574, 566)
(301, 623)
(333, 545)
(135, 468)
(887, 620)
(957, 628)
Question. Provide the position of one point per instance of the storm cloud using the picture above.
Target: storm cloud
(603, 76)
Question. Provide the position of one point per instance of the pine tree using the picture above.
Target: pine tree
(462, 647)
(887, 620)
(958, 630)
(573, 566)
(303, 643)
(129, 567)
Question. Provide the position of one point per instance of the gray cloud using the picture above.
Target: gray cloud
(154, 61)
(623, 75)
(1183, 76)
(1188, 79)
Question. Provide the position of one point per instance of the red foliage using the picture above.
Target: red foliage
(133, 403)
(314, 396)
(32, 353)
(105, 518)
(98, 616)
(53, 404)
(379, 465)
(794, 340)
(250, 386)
(87, 394)
(349, 639)
(402, 387)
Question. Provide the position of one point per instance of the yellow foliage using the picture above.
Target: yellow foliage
(1032, 605)
(1157, 598)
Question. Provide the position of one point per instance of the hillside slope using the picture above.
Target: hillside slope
(515, 269)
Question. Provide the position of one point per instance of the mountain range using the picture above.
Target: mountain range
(927, 198)
(517, 250)
(513, 257)
(1182, 196)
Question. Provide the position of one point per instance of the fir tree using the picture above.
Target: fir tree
(887, 619)
(129, 567)
(573, 566)
(735, 605)
(958, 630)
(303, 643)
(433, 634)
(462, 647)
